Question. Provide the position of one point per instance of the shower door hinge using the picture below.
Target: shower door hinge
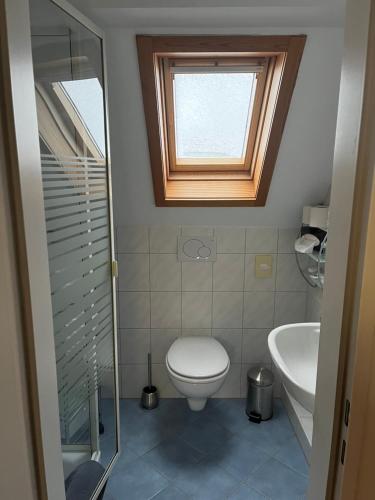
(114, 269)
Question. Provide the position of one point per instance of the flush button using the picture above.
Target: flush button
(196, 248)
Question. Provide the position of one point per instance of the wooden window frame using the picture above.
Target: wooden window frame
(224, 183)
(212, 166)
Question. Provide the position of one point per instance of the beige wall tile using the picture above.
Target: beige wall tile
(227, 309)
(132, 239)
(230, 239)
(228, 273)
(134, 272)
(258, 309)
(165, 310)
(261, 239)
(165, 272)
(134, 309)
(196, 276)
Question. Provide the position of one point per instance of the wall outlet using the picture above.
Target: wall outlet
(263, 266)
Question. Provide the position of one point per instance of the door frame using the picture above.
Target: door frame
(27, 198)
(356, 374)
(24, 170)
(345, 165)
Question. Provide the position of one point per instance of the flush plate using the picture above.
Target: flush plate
(196, 249)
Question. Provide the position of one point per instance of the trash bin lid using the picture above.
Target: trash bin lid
(260, 375)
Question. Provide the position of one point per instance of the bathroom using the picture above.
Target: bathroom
(190, 257)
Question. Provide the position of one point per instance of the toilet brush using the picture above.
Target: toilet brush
(150, 395)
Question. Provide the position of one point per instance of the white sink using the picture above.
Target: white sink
(294, 350)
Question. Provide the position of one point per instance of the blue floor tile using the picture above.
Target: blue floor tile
(108, 442)
(291, 454)
(172, 453)
(238, 457)
(205, 481)
(108, 413)
(136, 481)
(231, 413)
(173, 415)
(246, 493)
(143, 429)
(142, 433)
(269, 435)
(204, 434)
(127, 456)
(145, 438)
(279, 482)
(172, 456)
(171, 493)
(131, 408)
(108, 495)
(108, 448)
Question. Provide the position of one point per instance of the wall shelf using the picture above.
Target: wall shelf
(315, 277)
(317, 257)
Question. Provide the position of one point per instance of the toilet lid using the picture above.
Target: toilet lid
(197, 357)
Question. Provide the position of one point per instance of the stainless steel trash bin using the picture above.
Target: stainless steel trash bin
(259, 394)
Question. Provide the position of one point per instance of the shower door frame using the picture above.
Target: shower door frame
(87, 23)
(32, 254)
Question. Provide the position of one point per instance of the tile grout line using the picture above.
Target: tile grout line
(212, 286)
(119, 334)
(149, 286)
(288, 466)
(179, 234)
(274, 311)
(242, 369)
(243, 321)
(276, 268)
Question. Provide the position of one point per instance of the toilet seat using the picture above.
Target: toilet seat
(199, 358)
(196, 381)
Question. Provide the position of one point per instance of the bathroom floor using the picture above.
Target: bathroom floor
(172, 453)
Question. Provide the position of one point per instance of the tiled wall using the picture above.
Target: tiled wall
(160, 299)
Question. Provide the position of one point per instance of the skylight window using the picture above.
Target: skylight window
(215, 108)
(211, 112)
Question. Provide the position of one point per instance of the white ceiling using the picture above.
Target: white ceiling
(214, 13)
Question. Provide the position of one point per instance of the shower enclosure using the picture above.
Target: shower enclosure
(70, 94)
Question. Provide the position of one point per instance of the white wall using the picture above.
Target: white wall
(303, 169)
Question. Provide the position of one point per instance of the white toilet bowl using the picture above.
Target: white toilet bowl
(197, 367)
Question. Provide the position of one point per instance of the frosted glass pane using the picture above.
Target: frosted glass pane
(211, 114)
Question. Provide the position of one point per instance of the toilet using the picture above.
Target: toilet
(197, 367)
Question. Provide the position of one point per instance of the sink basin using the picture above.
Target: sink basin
(294, 351)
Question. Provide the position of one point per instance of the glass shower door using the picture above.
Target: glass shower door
(71, 107)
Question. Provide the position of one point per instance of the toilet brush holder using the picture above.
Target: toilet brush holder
(150, 394)
(150, 397)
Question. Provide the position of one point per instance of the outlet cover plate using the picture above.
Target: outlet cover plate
(263, 266)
